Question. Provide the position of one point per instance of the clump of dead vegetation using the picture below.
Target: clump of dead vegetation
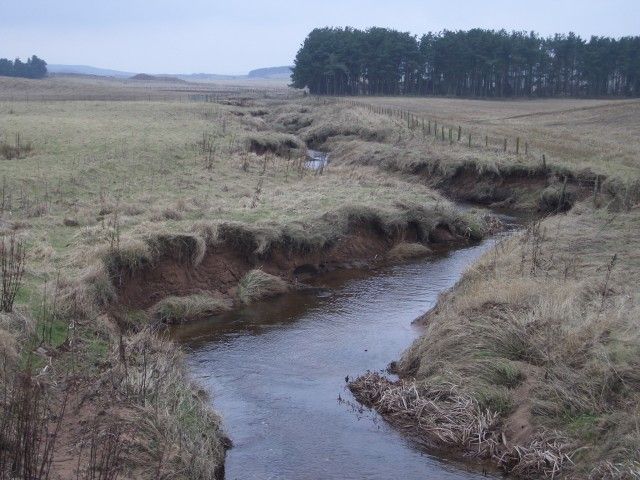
(258, 284)
(443, 416)
(275, 143)
(16, 149)
(176, 310)
(177, 435)
(404, 250)
(542, 333)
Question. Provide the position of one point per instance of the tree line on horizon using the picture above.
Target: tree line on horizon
(34, 67)
(473, 63)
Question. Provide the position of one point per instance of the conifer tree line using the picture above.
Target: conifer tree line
(473, 63)
(34, 67)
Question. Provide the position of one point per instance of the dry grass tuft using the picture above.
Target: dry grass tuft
(403, 251)
(257, 285)
(176, 310)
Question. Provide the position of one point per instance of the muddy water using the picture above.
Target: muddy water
(277, 374)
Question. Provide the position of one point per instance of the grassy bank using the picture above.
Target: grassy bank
(482, 172)
(536, 349)
(531, 359)
(136, 213)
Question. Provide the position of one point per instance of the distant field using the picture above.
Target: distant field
(596, 131)
(84, 87)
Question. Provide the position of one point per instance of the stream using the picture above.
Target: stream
(276, 372)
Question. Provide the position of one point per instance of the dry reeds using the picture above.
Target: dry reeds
(443, 416)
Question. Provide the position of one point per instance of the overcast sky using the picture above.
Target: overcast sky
(188, 36)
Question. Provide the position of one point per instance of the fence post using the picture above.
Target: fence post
(505, 145)
(486, 140)
(459, 132)
(469, 140)
(517, 145)
(526, 148)
(443, 133)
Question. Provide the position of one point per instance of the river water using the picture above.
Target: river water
(276, 372)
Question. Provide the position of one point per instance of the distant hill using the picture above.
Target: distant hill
(88, 70)
(207, 77)
(272, 72)
(157, 78)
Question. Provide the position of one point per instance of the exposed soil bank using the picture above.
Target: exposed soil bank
(183, 266)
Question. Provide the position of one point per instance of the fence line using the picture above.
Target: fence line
(455, 135)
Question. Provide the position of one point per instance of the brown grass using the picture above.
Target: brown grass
(257, 285)
(406, 250)
(543, 333)
(596, 133)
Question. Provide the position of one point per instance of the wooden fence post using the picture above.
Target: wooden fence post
(459, 132)
(505, 145)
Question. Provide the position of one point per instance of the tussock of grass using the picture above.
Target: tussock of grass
(258, 285)
(274, 142)
(185, 248)
(132, 254)
(337, 121)
(16, 330)
(445, 416)
(171, 421)
(403, 251)
(176, 310)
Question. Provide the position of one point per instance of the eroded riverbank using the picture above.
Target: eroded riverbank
(277, 373)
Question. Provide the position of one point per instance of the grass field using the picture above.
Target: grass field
(588, 133)
(94, 189)
(140, 203)
(531, 360)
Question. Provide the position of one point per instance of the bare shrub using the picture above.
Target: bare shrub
(12, 260)
(27, 435)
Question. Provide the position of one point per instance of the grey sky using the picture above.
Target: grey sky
(170, 36)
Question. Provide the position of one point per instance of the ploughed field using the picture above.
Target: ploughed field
(134, 213)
